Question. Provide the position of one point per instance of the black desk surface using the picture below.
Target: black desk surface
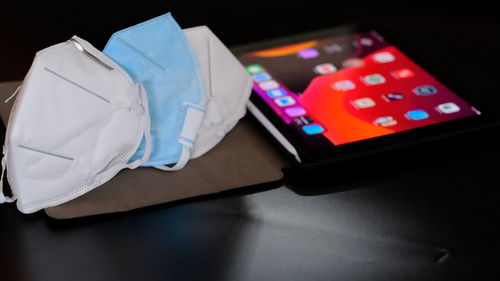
(431, 218)
(428, 213)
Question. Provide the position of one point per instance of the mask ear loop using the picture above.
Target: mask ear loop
(183, 159)
(3, 198)
(192, 121)
(88, 54)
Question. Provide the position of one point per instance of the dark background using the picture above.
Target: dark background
(26, 28)
(425, 213)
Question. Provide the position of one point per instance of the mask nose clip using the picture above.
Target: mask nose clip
(88, 54)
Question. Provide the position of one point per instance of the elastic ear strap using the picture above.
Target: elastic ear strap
(183, 159)
(3, 198)
(192, 123)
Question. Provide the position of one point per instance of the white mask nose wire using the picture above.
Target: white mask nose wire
(3, 198)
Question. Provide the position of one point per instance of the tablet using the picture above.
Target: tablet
(339, 93)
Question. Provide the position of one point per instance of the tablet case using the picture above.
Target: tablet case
(245, 157)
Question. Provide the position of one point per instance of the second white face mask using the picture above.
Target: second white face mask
(227, 88)
(77, 120)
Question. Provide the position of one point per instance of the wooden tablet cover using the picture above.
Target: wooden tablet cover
(245, 157)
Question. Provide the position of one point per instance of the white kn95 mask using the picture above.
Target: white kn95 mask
(77, 120)
(227, 88)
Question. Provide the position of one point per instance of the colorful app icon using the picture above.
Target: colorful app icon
(353, 62)
(325, 68)
(313, 129)
(303, 120)
(254, 69)
(333, 48)
(295, 111)
(284, 101)
(425, 90)
(309, 53)
(448, 108)
(402, 73)
(264, 76)
(417, 114)
(373, 79)
(344, 85)
(269, 85)
(385, 121)
(384, 57)
(363, 103)
(276, 93)
(366, 41)
(390, 97)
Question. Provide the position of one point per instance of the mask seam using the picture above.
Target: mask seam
(137, 141)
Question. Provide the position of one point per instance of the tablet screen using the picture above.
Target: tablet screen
(350, 88)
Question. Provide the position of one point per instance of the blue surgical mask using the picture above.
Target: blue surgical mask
(157, 54)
